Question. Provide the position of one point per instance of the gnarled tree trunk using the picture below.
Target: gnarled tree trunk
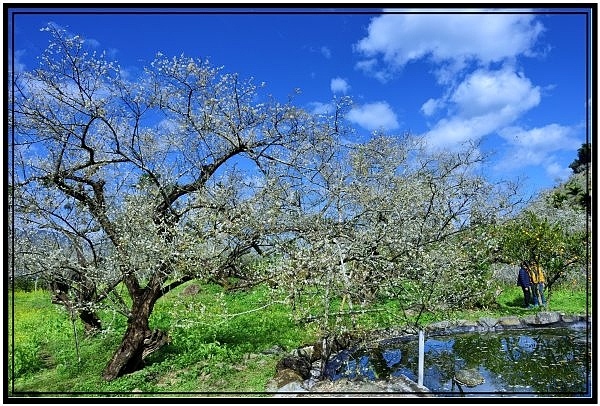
(139, 341)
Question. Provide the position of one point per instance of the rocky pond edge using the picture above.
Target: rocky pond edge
(298, 373)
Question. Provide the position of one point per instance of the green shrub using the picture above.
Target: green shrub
(25, 360)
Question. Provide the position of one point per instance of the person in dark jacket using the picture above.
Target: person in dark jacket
(524, 281)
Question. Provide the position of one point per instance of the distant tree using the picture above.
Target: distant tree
(557, 239)
(57, 257)
(584, 158)
(575, 192)
(392, 220)
(146, 181)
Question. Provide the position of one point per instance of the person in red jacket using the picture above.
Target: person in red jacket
(524, 281)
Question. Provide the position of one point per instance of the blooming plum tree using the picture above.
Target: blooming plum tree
(146, 181)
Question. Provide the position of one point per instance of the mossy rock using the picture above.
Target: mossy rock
(469, 377)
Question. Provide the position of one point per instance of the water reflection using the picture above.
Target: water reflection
(543, 362)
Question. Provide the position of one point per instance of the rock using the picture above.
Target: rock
(403, 384)
(544, 318)
(292, 387)
(510, 321)
(305, 352)
(396, 386)
(469, 377)
(346, 385)
(440, 325)
(464, 326)
(466, 323)
(569, 318)
(315, 371)
(331, 345)
(283, 378)
(301, 365)
(190, 290)
(275, 350)
(488, 322)
(317, 352)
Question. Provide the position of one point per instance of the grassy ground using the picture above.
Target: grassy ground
(217, 342)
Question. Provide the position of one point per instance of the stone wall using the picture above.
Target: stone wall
(543, 319)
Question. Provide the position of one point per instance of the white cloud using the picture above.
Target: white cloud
(557, 171)
(450, 133)
(539, 147)
(452, 39)
(374, 116)
(532, 147)
(473, 57)
(321, 108)
(430, 106)
(326, 52)
(339, 85)
(367, 65)
(485, 102)
(370, 67)
(504, 92)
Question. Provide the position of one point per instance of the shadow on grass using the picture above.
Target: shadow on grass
(516, 306)
(516, 302)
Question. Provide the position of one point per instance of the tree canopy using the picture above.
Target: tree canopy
(584, 158)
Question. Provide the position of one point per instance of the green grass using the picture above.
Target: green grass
(217, 341)
(216, 345)
(510, 303)
(565, 300)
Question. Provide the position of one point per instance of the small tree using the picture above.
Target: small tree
(557, 239)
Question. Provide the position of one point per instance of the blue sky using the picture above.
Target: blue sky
(516, 81)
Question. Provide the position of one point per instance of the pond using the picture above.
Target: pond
(533, 362)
